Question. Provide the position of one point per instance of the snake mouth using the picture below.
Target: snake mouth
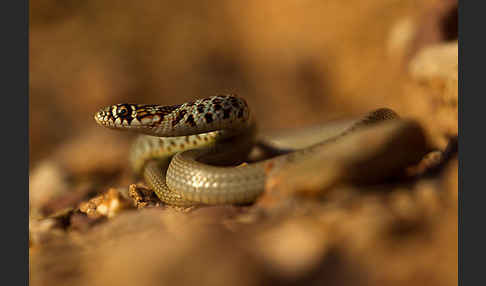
(98, 118)
(104, 117)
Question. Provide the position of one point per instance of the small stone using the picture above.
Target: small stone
(108, 204)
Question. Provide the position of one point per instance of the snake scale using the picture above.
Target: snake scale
(185, 152)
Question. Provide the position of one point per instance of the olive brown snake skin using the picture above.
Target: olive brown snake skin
(184, 144)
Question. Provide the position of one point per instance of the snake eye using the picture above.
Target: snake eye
(122, 110)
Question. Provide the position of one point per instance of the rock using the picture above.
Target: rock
(108, 204)
(46, 181)
(435, 83)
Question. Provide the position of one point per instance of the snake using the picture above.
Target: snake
(194, 153)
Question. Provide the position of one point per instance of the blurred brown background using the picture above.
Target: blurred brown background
(297, 62)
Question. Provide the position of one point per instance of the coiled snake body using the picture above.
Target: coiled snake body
(184, 144)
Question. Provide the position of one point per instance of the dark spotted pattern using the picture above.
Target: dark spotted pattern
(179, 117)
(166, 109)
(235, 102)
(190, 120)
(217, 101)
(226, 113)
(200, 108)
(208, 117)
(187, 116)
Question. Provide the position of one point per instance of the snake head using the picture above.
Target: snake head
(200, 116)
(114, 116)
(126, 116)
